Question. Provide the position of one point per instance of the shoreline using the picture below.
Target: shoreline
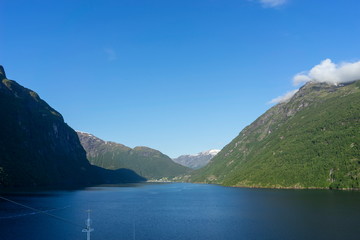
(280, 187)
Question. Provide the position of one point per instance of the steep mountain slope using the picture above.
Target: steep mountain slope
(313, 140)
(196, 161)
(37, 148)
(147, 162)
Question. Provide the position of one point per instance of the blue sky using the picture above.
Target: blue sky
(180, 76)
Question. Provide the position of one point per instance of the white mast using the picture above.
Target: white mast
(88, 228)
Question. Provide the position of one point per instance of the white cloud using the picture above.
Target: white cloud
(284, 97)
(326, 71)
(110, 53)
(272, 3)
(329, 72)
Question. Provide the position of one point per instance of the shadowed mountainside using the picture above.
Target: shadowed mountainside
(37, 148)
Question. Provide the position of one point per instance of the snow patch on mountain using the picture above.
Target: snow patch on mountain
(196, 161)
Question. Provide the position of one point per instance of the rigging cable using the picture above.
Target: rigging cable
(32, 213)
(43, 212)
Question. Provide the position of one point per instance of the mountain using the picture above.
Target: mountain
(196, 161)
(37, 148)
(145, 161)
(310, 141)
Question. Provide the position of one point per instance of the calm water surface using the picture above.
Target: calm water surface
(183, 211)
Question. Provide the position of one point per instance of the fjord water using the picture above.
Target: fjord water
(183, 211)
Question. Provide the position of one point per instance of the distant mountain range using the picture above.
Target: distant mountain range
(196, 161)
(37, 148)
(147, 162)
(309, 141)
(312, 140)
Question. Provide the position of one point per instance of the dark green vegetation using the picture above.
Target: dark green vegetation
(311, 141)
(37, 148)
(145, 161)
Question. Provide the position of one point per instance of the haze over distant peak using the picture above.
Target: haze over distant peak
(197, 160)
